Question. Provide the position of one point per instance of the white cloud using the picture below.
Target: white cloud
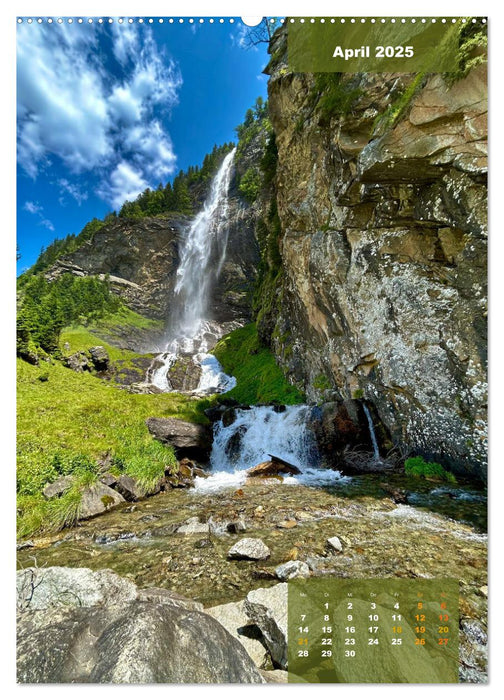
(73, 190)
(32, 207)
(125, 183)
(36, 209)
(153, 147)
(73, 107)
(125, 41)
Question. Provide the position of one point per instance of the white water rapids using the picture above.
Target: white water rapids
(190, 331)
(255, 434)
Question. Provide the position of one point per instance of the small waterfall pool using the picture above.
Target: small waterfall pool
(254, 435)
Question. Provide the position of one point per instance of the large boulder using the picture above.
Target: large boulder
(97, 499)
(139, 642)
(188, 439)
(59, 586)
(267, 608)
(233, 617)
(75, 625)
(99, 358)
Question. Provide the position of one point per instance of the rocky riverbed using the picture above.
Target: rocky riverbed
(180, 541)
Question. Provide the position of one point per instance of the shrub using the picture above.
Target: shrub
(417, 466)
(250, 184)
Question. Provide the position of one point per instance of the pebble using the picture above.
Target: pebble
(287, 524)
(334, 543)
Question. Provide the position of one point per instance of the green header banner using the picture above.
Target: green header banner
(384, 45)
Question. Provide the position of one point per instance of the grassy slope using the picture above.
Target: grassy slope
(67, 421)
(259, 378)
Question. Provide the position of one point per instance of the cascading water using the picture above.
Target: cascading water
(202, 256)
(372, 433)
(255, 434)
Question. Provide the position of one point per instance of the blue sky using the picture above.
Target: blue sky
(107, 110)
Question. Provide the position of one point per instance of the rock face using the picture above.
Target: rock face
(127, 641)
(187, 438)
(140, 259)
(383, 248)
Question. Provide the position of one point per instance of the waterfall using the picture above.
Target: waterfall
(258, 432)
(374, 442)
(202, 255)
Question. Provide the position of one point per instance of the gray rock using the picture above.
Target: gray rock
(129, 488)
(189, 438)
(99, 358)
(249, 548)
(78, 362)
(59, 586)
(267, 608)
(236, 526)
(78, 625)
(277, 676)
(193, 526)
(97, 499)
(292, 569)
(233, 617)
(137, 642)
(108, 479)
(474, 631)
(58, 487)
(334, 544)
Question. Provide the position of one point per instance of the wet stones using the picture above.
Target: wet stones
(334, 545)
(193, 526)
(292, 569)
(273, 467)
(249, 548)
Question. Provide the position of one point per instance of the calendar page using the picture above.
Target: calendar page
(251, 349)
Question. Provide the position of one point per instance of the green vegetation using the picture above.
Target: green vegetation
(400, 105)
(47, 307)
(183, 195)
(256, 124)
(417, 466)
(333, 95)
(259, 378)
(321, 382)
(473, 47)
(250, 184)
(71, 421)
